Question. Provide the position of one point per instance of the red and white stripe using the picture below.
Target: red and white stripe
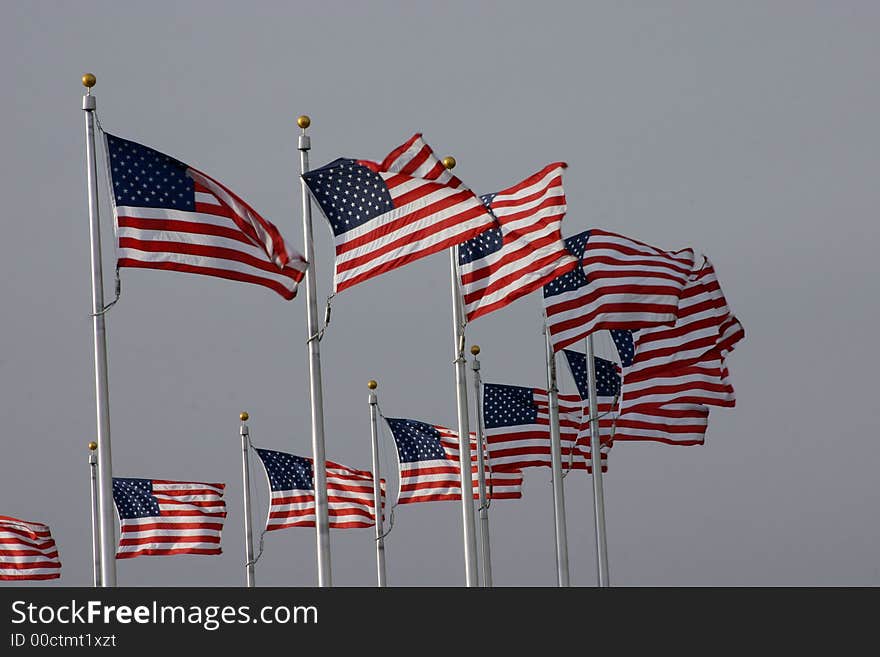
(631, 285)
(223, 237)
(673, 424)
(27, 551)
(532, 253)
(704, 323)
(432, 211)
(706, 382)
(528, 445)
(440, 479)
(190, 520)
(350, 501)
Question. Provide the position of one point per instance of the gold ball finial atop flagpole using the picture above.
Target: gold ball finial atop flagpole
(89, 80)
(372, 385)
(449, 162)
(93, 446)
(475, 350)
(243, 416)
(303, 121)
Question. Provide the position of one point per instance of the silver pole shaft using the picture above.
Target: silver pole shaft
(464, 442)
(377, 492)
(485, 548)
(322, 518)
(596, 456)
(102, 389)
(96, 531)
(248, 527)
(556, 466)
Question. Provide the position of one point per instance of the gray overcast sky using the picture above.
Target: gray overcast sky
(747, 130)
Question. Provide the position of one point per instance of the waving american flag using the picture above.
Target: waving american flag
(429, 465)
(620, 284)
(350, 500)
(387, 214)
(163, 517)
(517, 421)
(675, 424)
(172, 216)
(524, 251)
(27, 551)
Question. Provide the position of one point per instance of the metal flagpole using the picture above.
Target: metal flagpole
(485, 548)
(596, 457)
(102, 397)
(322, 518)
(246, 484)
(96, 532)
(377, 486)
(556, 467)
(464, 442)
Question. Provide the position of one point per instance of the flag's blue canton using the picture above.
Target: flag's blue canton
(506, 406)
(349, 193)
(486, 242)
(480, 246)
(576, 278)
(607, 378)
(134, 498)
(623, 340)
(143, 177)
(416, 441)
(286, 471)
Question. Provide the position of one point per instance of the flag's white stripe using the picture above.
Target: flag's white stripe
(18, 538)
(159, 545)
(201, 261)
(31, 558)
(19, 573)
(165, 214)
(134, 523)
(546, 183)
(198, 239)
(32, 527)
(174, 486)
(186, 502)
(201, 533)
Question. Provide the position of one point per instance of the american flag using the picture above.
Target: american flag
(621, 283)
(162, 517)
(704, 324)
(27, 550)
(350, 500)
(683, 363)
(429, 465)
(524, 251)
(387, 214)
(172, 216)
(517, 425)
(678, 424)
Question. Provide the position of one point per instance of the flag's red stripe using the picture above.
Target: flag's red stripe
(159, 552)
(219, 273)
